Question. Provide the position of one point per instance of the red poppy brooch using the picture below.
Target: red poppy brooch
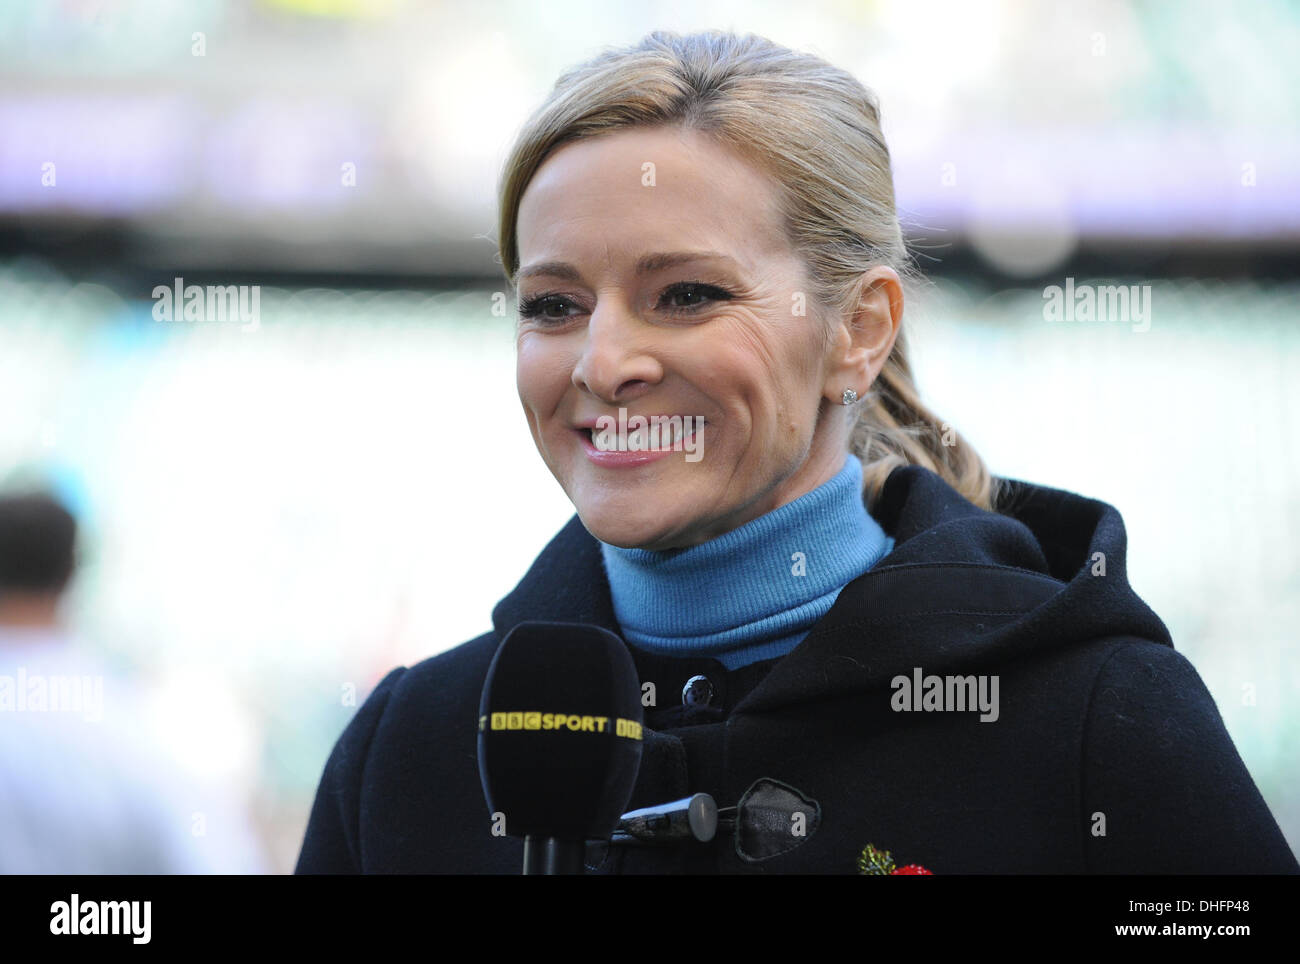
(878, 863)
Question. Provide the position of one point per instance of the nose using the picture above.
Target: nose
(618, 362)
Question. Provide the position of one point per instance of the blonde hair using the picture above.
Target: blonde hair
(815, 129)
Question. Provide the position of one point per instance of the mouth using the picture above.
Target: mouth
(662, 433)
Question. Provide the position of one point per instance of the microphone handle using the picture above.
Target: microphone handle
(552, 856)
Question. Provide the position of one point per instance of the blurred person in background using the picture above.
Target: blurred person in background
(83, 790)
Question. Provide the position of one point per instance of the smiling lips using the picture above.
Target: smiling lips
(637, 446)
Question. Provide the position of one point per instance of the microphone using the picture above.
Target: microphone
(559, 739)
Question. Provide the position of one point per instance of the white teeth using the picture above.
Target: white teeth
(667, 433)
(692, 427)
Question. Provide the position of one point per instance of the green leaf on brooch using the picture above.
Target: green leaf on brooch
(875, 862)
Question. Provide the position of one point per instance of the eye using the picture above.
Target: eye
(682, 298)
(688, 296)
(546, 308)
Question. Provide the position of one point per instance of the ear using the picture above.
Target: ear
(865, 336)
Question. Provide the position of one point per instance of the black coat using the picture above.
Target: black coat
(1102, 725)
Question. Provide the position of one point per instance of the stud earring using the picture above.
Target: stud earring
(849, 396)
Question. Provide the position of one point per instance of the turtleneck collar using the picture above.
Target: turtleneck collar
(754, 592)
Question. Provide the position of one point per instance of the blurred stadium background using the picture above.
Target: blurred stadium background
(275, 516)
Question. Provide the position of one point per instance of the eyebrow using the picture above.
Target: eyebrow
(646, 265)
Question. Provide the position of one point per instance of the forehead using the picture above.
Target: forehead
(616, 196)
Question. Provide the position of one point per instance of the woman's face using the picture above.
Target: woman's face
(655, 277)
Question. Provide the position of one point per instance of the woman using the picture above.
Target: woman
(838, 607)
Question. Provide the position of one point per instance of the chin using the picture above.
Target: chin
(626, 526)
(653, 507)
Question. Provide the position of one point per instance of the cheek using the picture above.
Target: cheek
(773, 369)
(742, 361)
(541, 374)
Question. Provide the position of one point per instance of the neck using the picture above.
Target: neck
(755, 591)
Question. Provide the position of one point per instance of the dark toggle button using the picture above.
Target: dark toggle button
(766, 817)
(698, 691)
(691, 818)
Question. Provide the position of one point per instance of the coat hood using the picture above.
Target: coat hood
(964, 588)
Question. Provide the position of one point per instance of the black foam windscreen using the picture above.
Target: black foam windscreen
(559, 731)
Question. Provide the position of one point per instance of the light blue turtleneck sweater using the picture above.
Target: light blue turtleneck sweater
(752, 593)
